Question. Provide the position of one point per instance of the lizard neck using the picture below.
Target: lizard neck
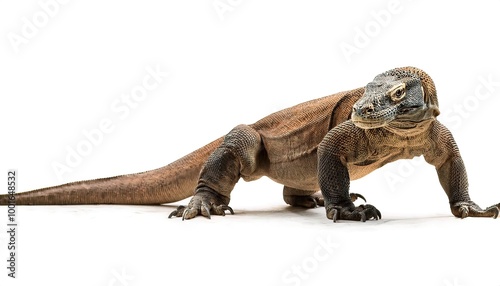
(410, 132)
(409, 125)
(409, 128)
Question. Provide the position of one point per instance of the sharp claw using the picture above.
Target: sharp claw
(379, 215)
(496, 211)
(207, 210)
(335, 215)
(355, 196)
(172, 214)
(361, 196)
(176, 212)
(228, 208)
(184, 214)
(315, 202)
(464, 211)
(363, 216)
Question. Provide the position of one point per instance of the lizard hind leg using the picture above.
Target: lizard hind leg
(303, 198)
(309, 199)
(236, 157)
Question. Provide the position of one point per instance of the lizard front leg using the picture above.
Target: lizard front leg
(333, 176)
(237, 156)
(453, 176)
(334, 183)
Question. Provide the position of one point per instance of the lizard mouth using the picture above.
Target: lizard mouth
(410, 109)
(367, 118)
(368, 123)
(409, 113)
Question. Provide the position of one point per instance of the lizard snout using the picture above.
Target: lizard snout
(364, 109)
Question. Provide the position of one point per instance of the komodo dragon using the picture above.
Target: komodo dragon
(321, 144)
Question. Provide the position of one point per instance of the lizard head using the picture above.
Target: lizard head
(399, 95)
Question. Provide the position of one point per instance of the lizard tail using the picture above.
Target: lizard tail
(171, 183)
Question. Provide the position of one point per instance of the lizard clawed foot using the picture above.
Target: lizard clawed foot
(206, 203)
(350, 212)
(311, 201)
(471, 209)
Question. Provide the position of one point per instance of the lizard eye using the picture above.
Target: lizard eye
(398, 92)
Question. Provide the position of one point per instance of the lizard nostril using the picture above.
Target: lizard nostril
(367, 109)
(363, 109)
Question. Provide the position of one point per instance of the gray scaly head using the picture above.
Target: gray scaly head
(398, 95)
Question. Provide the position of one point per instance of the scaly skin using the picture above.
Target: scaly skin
(320, 144)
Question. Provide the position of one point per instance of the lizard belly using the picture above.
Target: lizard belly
(300, 173)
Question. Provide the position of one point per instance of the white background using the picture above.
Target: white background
(226, 68)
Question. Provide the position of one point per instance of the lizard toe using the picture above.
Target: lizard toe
(369, 212)
(205, 210)
(464, 211)
(189, 213)
(178, 212)
(495, 210)
(221, 210)
(333, 213)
